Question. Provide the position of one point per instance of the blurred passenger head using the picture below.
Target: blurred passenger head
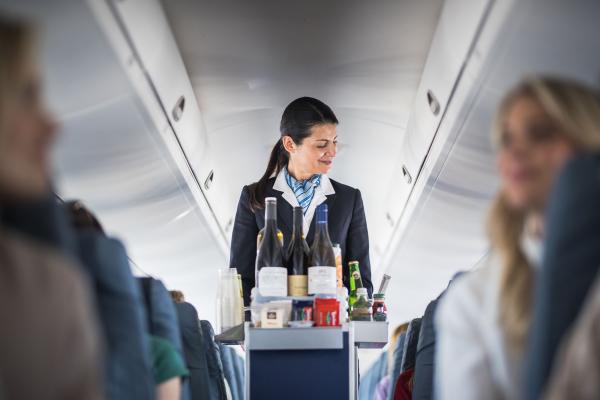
(308, 143)
(393, 343)
(26, 129)
(540, 124)
(82, 218)
(177, 296)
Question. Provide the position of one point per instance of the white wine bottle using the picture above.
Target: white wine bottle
(271, 276)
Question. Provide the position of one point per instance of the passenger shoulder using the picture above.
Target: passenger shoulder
(468, 294)
(37, 263)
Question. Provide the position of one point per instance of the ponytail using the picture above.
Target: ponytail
(277, 161)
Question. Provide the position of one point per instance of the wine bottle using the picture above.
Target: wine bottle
(271, 276)
(322, 271)
(261, 235)
(297, 258)
(355, 282)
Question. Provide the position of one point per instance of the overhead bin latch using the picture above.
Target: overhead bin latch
(209, 179)
(406, 174)
(178, 109)
(434, 104)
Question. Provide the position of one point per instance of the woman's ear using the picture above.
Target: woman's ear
(288, 144)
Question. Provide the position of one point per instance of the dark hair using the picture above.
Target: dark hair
(82, 219)
(297, 121)
(177, 296)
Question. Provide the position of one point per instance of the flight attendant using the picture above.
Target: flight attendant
(297, 176)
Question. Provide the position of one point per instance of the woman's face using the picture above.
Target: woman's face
(316, 153)
(26, 133)
(533, 149)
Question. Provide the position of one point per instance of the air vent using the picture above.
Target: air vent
(406, 174)
(209, 180)
(178, 109)
(434, 104)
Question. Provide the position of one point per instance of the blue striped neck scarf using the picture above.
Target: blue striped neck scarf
(303, 190)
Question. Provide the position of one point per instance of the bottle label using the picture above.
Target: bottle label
(272, 281)
(322, 280)
(298, 285)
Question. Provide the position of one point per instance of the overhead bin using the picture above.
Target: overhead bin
(456, 32)
(150, 34)
(140, 34)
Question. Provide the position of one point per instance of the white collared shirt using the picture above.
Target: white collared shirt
(321, 192)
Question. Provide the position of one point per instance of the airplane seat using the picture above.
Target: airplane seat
(402, 386)
(410, 345)
(215, 365)
(234, 369)
(570, 264)
(128, 372)
(194, 351)
(368, 382)
(424, 359)
(398, 352)
(162, 318)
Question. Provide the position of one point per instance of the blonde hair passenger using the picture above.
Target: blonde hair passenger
(483, 320)
(575, 109)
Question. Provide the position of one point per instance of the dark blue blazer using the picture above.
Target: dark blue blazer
(570, 264)
(347, 226)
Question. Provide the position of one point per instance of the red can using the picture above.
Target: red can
(327, 312)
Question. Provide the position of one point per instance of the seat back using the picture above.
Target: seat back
(398, 352)
(194, 351)
(570, 263)
(234, 370)
(410, 345)
(424, 361)
(215, 366)
(120, 308)
(162, 318)
(371, 378)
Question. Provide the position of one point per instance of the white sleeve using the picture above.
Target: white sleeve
(462, 362)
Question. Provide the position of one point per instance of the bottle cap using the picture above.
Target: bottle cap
(361, 291)
(379, 296)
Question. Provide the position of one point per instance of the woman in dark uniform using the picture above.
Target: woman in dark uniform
(297, 176)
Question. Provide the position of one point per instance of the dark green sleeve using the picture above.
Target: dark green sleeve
(166, 361)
